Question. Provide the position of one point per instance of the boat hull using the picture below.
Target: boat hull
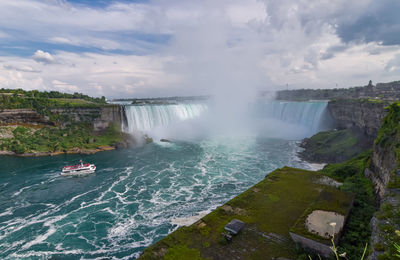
(79, 173)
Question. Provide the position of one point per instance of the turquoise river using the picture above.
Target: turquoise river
(139, 195)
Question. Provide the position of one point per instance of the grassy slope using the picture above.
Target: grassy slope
(53, 139)
(269, 209)
(332, 146)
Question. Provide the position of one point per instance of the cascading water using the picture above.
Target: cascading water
(305, 118)
(145, 119)
(271, 117)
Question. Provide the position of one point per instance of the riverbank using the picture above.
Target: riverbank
(71, 151)
(76, 138)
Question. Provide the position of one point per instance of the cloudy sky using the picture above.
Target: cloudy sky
(130, 48)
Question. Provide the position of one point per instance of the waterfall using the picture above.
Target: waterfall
(145, 118)
(293, 120)
(311, 117)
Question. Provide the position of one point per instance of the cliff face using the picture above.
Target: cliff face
(384, 171)
(23, 116)
(385, 158)
(362, 115)
(383, 163)
(99, 117)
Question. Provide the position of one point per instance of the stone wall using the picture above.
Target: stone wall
(322, 249)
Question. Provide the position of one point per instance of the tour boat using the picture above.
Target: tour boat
(79, 169)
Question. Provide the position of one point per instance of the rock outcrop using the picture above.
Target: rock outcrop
(23, 116)
(384, 172)
(99, 117)
(358, 114)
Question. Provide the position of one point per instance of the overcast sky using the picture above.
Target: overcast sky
(179, 47)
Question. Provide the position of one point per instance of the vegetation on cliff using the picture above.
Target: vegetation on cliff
(332, 146)
(388, 217)
(79, 136)
(357, 230)
(389, 134)
(42, 102)
(63, 127)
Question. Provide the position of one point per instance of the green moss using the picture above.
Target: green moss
(182, 253)
(205, 231)
(379, 247)
(206, 244)
(384, 256)
(394, 182)
(273, 197)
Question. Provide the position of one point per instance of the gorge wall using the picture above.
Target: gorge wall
(99, 117)
(365, 116)
(384, 171)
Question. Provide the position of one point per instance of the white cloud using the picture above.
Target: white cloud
(220, 47)
(42, 56)
(94, 74)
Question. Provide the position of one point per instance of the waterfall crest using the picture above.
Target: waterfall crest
(309, 115)
(144, 118)
(276, 119)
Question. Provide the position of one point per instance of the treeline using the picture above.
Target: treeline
(50, 94)
(43, 101)
(382, 91)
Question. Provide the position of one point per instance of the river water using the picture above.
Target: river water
(136, 197)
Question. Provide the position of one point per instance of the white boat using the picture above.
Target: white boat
(78, 170)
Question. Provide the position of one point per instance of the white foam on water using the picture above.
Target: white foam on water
(40, 238)
(20, 191)
(128, 171)
(44, 254)
(8, 211)
(51, 230)
(121, 229)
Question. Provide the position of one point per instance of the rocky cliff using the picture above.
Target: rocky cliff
(23, 116)
(384, 171)
(363, 115)
(99, 117)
